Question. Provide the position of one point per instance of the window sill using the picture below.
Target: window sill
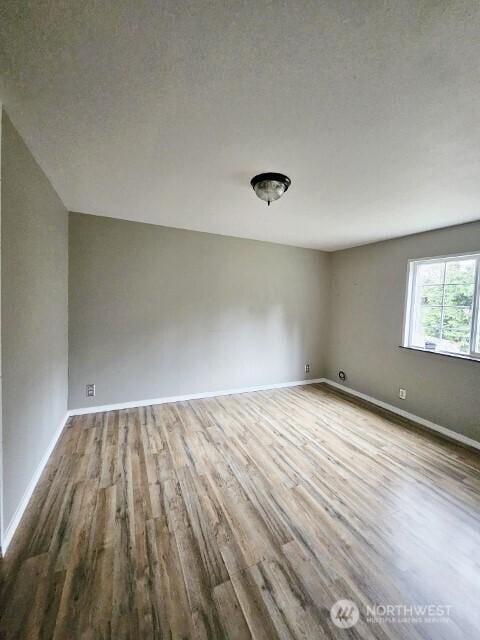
(457, 356)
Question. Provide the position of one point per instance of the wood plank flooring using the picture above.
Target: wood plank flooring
(242, 517)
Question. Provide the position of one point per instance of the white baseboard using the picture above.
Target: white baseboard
(8, 532)
(190, 396)
(452, 435)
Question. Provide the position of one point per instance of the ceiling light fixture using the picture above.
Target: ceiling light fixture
(270, 186)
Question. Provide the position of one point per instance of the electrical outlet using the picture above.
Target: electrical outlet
(402, 394)
(307, 368)
(90, 390)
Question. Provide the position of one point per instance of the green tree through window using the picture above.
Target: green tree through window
(443, 301)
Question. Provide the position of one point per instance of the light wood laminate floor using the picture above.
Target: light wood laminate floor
(245, 516)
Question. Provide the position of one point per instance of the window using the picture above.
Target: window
(443, 305)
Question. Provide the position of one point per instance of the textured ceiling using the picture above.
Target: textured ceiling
(162, 111)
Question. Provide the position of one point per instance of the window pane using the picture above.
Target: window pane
(431, 273)
(431, 295)
(443, 304)
(430, 320)
(427, 327)
(456, 330)
(461, 272)
(459, 295)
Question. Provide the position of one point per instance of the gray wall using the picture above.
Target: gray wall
(34, 230)
(156, 311)
(368, 295)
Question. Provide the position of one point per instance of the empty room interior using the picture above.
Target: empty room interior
(240, 320)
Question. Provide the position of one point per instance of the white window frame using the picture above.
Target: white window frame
(410, 304)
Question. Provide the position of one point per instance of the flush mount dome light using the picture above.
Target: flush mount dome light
(270, 186)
